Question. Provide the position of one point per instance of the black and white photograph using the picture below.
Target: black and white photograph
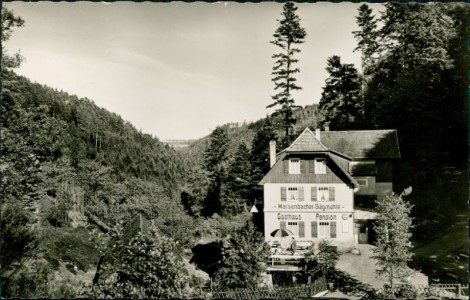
(234, 150)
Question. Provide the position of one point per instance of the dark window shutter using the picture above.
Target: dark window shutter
(286, 166)
(283, 224)
(331, 191)
(303, 166)
(314, 193)
(314, 229)
(311, 166)
(301, 229)
(283, 193)
(301, 194)
(333, 229)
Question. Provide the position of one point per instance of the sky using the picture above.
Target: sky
(177, 70)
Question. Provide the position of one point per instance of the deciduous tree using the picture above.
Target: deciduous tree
(147, 266)
(393, 226)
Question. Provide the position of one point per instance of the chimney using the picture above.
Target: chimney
(317, 134)
(272, 153)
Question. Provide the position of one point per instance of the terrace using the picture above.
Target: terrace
(284, 259)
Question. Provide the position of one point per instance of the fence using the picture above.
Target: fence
(443, 291)
(454, 290)
(276, 293)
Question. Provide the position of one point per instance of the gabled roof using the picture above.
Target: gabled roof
(306, 141)
(363, 143)
(139, 224)
(342, 147)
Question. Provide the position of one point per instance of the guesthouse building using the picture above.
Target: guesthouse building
(324, 185)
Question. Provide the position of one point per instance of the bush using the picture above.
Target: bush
(16, 238)
(145, 267)
(327, 254)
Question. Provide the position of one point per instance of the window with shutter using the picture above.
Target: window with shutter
(285, 164)
(293, 227)
(311, 166)
(293, 194)
(283, 193)
(301, 194)
(324, 230)
(294, 166)
(313, 194)
(323, 194)
(320, 166)
(332, 193)
(303, 166)
(314, 229)
(301, 229)
(333, 229)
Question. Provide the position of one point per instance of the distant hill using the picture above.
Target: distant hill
(307, 116)
(178, 143)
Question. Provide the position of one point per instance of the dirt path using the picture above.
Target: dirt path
(362, 267)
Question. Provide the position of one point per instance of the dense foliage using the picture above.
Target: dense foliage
(147, 266)
(243, 256)
(341, 101)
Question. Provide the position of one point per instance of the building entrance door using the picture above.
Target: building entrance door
(363, 232)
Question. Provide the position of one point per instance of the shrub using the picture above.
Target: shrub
(145, 267)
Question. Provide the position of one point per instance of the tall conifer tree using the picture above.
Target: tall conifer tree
(287, 35)
(341, 102)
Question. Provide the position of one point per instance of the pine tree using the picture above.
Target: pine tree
(259, 155)
(215, 158)
(366, 36)
(287, 35)
(341, 101)
(239, 179)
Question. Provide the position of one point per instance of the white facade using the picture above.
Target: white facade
(312, 211)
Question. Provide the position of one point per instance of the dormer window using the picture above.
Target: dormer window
(320, 166)
(294, 166)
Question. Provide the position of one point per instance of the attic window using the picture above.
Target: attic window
(294, 166)
(362, 182)
(320, 166)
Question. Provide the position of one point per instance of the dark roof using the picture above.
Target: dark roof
(339, 161)
(363, 143)
(362, 168)
(138, 224)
